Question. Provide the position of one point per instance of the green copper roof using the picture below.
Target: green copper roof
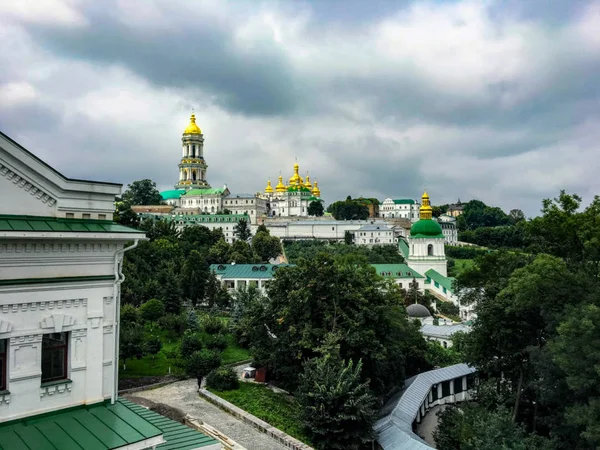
(426, 229)
(404, 201)
(101, 426)
(312, 198)
(396, 271)
(249, 271)
(443, 281)
(177, 435)
(50, 224)
(403, 246)
(210, 191)
(297, 189)
(173, 193)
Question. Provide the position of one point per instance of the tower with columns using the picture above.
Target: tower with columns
(192, 168)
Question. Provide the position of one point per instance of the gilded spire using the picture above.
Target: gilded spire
(425, 212)
(192, 128)
(307, 183)
(269, 188)
(296, 179)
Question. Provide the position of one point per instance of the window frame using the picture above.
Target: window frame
(65, 349)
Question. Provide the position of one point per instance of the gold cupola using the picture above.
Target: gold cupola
(192, 128)
(296, 179)
(425, 211)
(269, 188)
(307, 184)
(316, 192)
(280, 186)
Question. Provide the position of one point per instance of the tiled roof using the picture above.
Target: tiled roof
(54, 224)
(396, 271)
(440, 279)
(249, 271)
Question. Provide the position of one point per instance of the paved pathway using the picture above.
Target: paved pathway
(184, 396)
(429, 424)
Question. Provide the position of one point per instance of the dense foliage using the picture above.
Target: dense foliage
(315, 208)
(222, 379)
(349, 209)
(378, 254)
(535, 339)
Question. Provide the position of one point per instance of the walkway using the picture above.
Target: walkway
(429, 424)
(184, 396)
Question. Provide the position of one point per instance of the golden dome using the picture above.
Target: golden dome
(269, 188)
(192, 128)
(307, 183)
(280, 186)
(296, 179)
(425, 211)
(316, 192)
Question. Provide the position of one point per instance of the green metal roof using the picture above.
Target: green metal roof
(101, 426)
(50, 224)
(298, 189)
(177, 435)
(250, 271)
(404, 201)
(312, 198)
(426, 229)
(443, 281)
(403, 246)
(210, 191)
(171, 194)
(396, 271)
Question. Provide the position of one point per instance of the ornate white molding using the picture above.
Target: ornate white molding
(25, 340)
(56, 247)
(107, 329)
(51, 305)
(57, 321)
(108, 300)
(5, 326)
(57, 388)
(26, 185)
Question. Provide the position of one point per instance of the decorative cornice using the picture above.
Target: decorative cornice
(33, 306)
(5, 326)
(56, 247)
(25, 281)
(57, 321)
(26, 185)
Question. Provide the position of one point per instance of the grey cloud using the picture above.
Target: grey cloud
(197, 54)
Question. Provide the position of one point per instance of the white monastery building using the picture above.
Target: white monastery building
(60, 277)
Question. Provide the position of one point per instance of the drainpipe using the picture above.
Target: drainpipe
(119, 278)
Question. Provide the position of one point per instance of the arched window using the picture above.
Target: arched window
(194, 175)
(430, 250)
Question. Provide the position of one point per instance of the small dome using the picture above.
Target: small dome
(417, 311)
(192, 128)
(426, 228)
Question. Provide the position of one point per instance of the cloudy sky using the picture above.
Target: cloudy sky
(495, 100)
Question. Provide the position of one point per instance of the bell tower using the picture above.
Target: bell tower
(192, 168)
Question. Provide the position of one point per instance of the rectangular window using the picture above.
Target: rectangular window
(2, 364)
(85, 216)
(70, 216)
(101, 216)
(54, 356)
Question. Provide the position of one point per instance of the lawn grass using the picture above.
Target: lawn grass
(280, 410)
(159, 364)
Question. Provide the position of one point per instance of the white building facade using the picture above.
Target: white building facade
(372, 234)
(318, 229)
(449, 230)
(403, 208)
(60, 275)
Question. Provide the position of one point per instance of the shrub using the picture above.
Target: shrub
(199, 364)
(222, 379)
(153, 345)
(192, 321)
(213, 325)
(130, 314)
(216, 342)
(174, 324)
(191, 342)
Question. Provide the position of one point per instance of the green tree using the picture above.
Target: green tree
(159, 229)
(201, 363)
(241, 230)
(129, 315)
(315, 208)
(515, 216)
(190, 343)
(142, 192)
(131, 342)
(338, 409)
(153, 345)
(219, 252)
(195, 274)
(170, 290)
(241, 253)
(305, 303)
(266, 246)
(152, 310)
(349, 209)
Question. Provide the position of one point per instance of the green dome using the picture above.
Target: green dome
(426, 229)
